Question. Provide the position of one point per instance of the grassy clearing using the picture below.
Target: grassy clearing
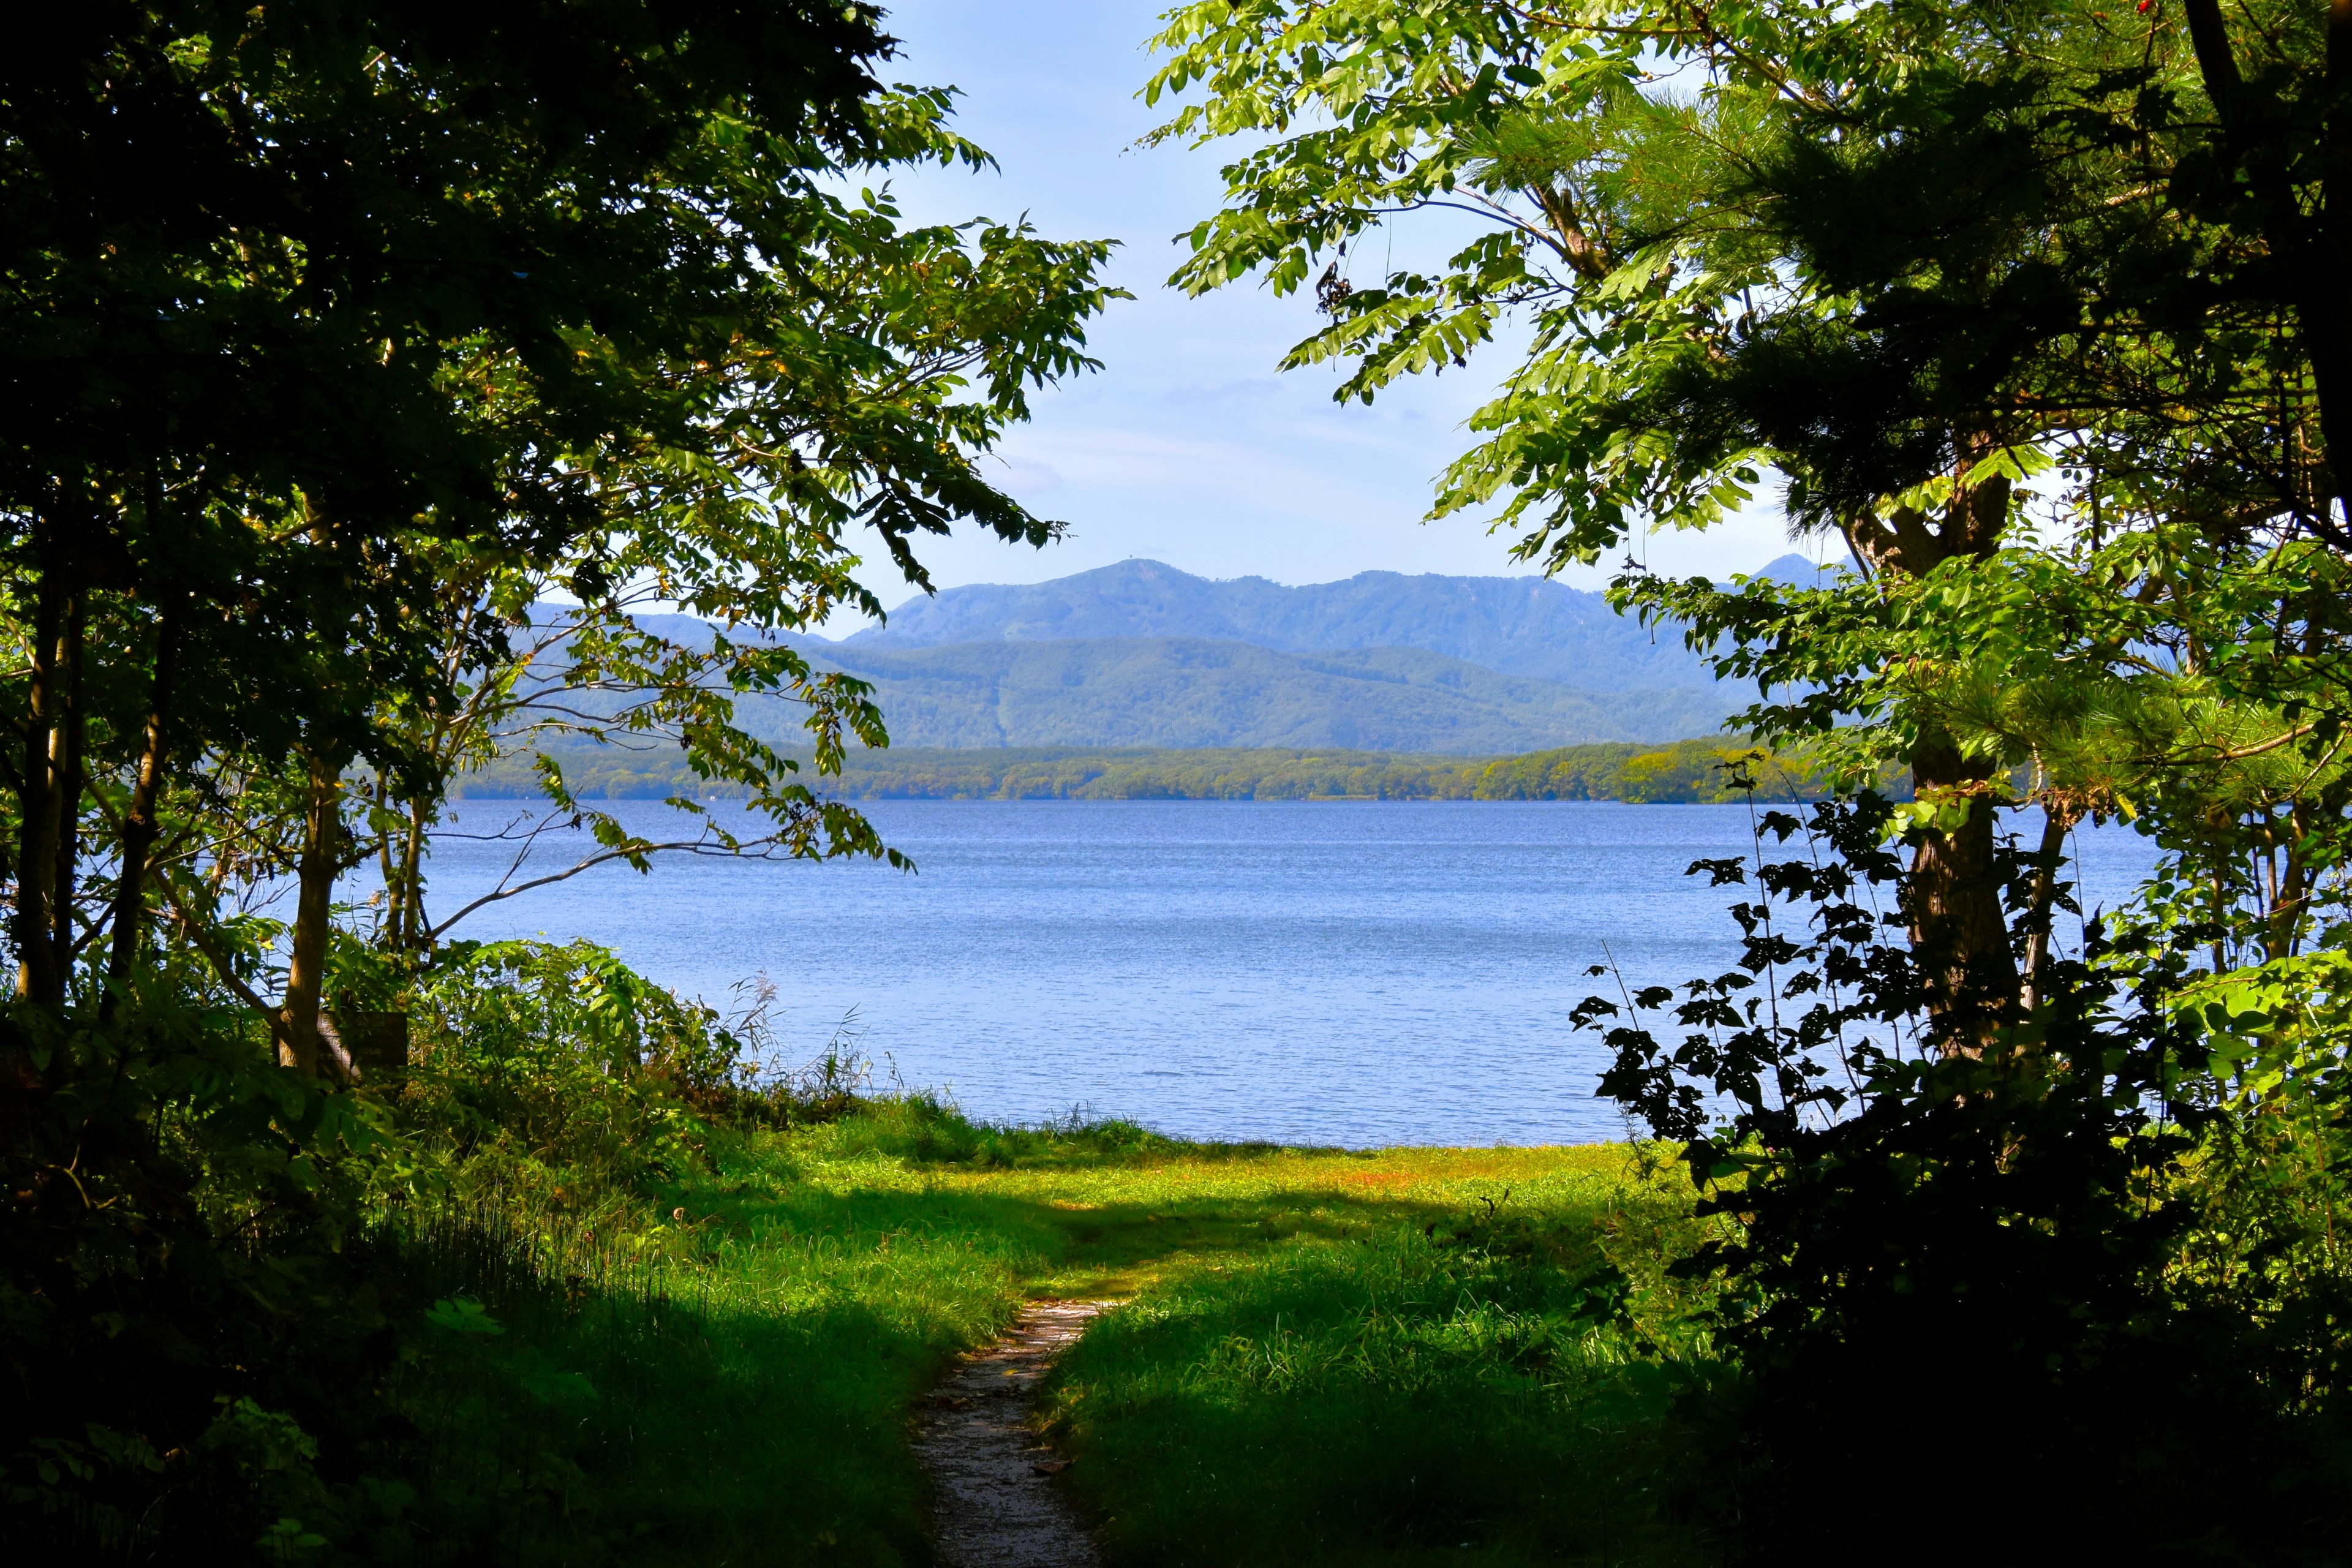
(1396, 1372)
(1326, 1356)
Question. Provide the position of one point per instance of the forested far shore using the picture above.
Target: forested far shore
(1697, 771)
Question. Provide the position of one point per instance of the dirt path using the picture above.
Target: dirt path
(997, 1506)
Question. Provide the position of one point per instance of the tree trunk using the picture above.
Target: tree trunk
(417, 936)
(401, 856)
(2328, 313)
(2314, 252)
(139, 825)
(2057, 821)
(68, 745)
(37, 980)
(306, 970)
(1960, 933)
(2291, 905)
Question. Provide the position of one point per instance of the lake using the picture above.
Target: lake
(1358, 974)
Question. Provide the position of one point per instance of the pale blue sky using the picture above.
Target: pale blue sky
(1188, 447)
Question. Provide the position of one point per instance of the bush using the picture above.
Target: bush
(217, 1277)
(1963, 1290)
(193, 1334)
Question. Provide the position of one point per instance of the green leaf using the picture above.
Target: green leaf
(461, 1315)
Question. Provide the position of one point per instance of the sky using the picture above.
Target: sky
(1188, 447)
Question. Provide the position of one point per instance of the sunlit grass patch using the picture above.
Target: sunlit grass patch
(1466, 1366)
(1328, 1353)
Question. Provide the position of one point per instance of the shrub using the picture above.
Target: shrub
(194, 1337)
(1961, 1286)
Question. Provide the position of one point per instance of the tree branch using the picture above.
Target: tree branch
(599, 859)
(220, 961)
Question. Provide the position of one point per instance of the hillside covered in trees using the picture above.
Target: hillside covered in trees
(1187, 692)
(1377, 685)
(1685, 771)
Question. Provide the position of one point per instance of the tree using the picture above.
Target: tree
(331, 325)
(2023, 305)
(1901, 255)
(860, 385)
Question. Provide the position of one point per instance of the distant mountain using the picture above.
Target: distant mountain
(1141, 654)
(1527, 626)
(1192, 691)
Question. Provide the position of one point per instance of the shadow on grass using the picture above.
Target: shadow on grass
(754, 1411)
(1314, 1375)
(627, 1419)
(747, 1401)
(1394, 1400)
(1063, 1248)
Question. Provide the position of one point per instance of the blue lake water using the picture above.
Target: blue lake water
(1352, 973)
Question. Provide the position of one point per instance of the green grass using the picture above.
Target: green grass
(1325, 1357)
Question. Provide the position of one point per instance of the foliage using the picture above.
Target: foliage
(2040, 1209)
(2138, 676)
(572, 1063)
(861, 385)
(2031, 305)
(2004, 293)
(1701, 771)
(1898, 205)
(195, 1336)
(572, 321)
(336, 337)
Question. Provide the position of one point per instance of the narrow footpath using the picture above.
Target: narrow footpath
(996, 1506)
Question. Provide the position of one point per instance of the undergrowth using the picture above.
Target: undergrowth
(595, 1283)
(701, 1339)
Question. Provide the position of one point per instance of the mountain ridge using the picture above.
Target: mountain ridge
(1206, 692)
(1140, 654)
(1524, 627)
